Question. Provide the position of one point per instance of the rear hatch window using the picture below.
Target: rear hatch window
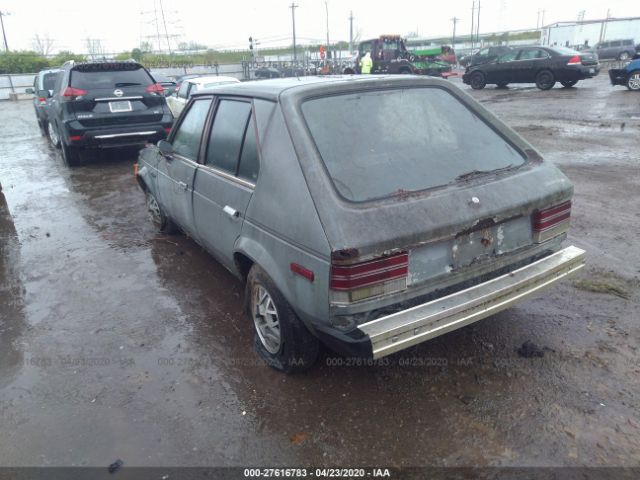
(382, 143)
(109, 76)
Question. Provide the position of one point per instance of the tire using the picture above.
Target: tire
(633, 82)
(405, 71)
(623, 56)
(52, 133)
(545, 80)
(71, 155)
(568, 83)
(43, 128)
(349, 71)
(281, 339)
(159, 218)
(502, 84)
(477, 81)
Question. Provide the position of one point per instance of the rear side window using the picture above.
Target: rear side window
(227, 135)
(380, 143)
(615, 44)
(49, 81)
(110, 78)
(186, 141)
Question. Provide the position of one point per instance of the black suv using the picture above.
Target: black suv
(106, 104)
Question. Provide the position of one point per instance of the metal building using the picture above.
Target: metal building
(590, 32)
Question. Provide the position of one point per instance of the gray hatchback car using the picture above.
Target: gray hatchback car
(367, 213)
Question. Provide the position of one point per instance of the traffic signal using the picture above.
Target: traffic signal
(250, 43)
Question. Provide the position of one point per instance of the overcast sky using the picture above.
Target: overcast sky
(122, 24)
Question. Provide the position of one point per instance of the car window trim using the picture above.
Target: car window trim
(177, 126)
(205, 144)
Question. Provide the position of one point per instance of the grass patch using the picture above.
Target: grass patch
(605, 282)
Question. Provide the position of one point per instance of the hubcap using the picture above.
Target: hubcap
(154, 209)
(265, 318)
(53, 135)
(634, 81)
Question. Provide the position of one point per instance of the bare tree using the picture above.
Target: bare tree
(43, 44)
(94, 48)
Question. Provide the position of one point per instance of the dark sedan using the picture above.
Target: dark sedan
(543, 66)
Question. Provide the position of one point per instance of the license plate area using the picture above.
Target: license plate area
(120, 106)
(592, 70)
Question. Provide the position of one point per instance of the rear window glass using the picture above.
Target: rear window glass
(111, 78)
(380, 143)
(565, 51)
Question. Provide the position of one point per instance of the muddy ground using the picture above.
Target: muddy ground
(118, 342)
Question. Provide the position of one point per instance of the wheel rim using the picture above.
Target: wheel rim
(154, 210)
(53, 135)
(634, 81)
(476, 80)
(265, 318)
(624, 56)
(545, 79)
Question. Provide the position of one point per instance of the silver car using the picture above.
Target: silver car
(369, 213)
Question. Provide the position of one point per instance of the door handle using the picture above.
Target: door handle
(182, 185)
(232, 212)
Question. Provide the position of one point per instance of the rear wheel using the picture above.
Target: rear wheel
(71, 155)
(54, 138)
(623, 56)
(569, 83)
(477, 81)
(545, 80)
(633, 83)
(281, 339)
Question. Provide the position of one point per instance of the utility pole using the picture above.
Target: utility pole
(603, 27)
(351, 32)
(453, 41)
(166, 33)
(4, 34)
(538, 21)
(473, 21)
(293, 7)
(478, 25)
(326, 6)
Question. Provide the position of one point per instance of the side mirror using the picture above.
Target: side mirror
(166, 149)
(30, 90)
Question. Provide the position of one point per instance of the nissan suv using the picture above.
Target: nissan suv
(106, 104)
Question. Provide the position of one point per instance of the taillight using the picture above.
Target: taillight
(42, 100)
(167, 130)
(70, 93)
(551, 222)
(575, 60)
(155, 88)
(357, 281)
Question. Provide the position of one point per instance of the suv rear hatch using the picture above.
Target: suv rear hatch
(110, 94)
(430, 191)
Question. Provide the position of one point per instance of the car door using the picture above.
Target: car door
(176, 171)
(501, 70)
(528, 64)
(225, 181)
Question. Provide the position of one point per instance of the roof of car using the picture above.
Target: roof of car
(271, 89)
(212, 79)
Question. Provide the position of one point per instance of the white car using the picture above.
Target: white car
(188, 87)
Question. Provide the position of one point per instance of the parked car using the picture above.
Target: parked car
(628, 76)
(106, 104)
(543, 66)
(190, 86)
(615, 49)
(484, 55)
(350, 225)
(43, 85)
(168, 84)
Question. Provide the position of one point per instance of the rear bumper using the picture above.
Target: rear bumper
(618, 76)
(117, 135)
(579, 72)
(409, 327)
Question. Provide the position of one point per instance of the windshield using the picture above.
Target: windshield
(379, 143)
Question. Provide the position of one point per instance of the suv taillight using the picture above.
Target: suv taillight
(155, 88)
(575, 60)
(551, 222)
(357, 281)
(71, 93)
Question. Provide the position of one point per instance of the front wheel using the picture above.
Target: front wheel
(545, 80)
(569, 83)
(623, 56)
(477, 81)
(633, 83)
(281, 339)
